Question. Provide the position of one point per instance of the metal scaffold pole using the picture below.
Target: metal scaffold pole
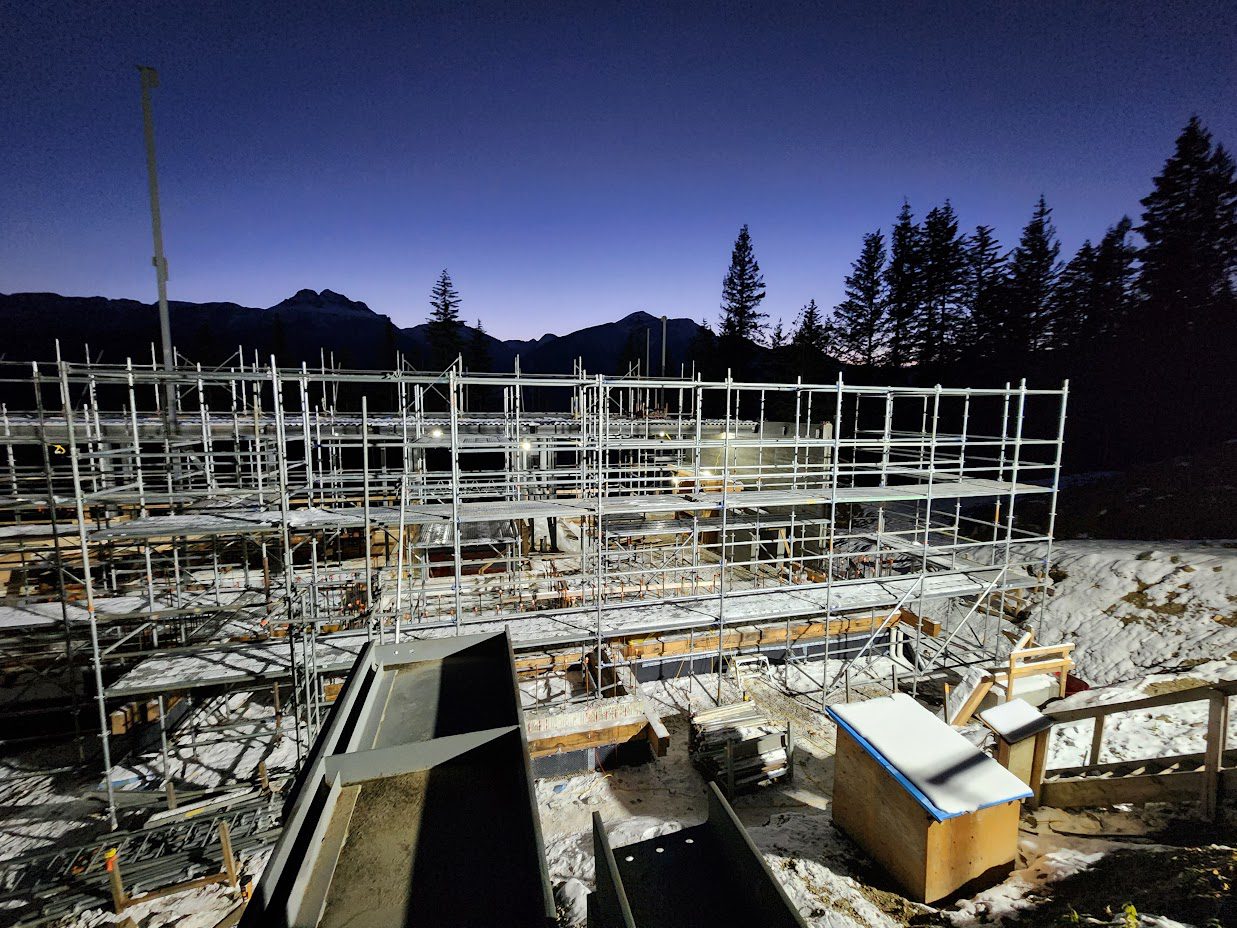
(87, 581)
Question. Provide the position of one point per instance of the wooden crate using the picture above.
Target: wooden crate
(927, 858)
(930, 852)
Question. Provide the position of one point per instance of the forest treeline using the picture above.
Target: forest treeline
(1142, 318)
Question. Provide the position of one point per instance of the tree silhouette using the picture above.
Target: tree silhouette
(858, 325)
(1189, 224)
(445, 329)
(743, 290)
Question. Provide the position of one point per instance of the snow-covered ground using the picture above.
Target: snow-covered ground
(1137, 607)
(1145, 617)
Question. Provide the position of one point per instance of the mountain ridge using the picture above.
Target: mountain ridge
(308, 325)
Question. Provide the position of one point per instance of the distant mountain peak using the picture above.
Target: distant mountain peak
(327, 299)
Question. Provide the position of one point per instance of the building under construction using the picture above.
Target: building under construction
(167, 536)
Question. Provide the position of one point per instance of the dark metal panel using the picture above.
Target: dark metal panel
(607, 906)
(707, 876)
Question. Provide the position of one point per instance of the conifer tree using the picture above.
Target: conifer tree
(703, 349)
(1095, 292)
(1033, 273)
(743, 289)
(445, 328)
(858, 325)
(902, 282)
(777, 336)
(938, 328)
(1074, 311)
(1189, 224)
(1116, 278)
(986, 296)
(477, 353)
(810, 329)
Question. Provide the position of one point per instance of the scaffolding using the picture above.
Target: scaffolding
(278, 519)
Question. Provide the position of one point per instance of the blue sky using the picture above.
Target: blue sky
(572, 163)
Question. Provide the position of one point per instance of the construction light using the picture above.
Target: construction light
(435, 433)
(526, 444)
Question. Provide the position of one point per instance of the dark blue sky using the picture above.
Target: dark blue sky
(570, 167)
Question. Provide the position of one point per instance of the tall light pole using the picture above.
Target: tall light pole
(662, 398)
(150, 79)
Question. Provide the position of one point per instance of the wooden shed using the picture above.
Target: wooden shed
(920, 799)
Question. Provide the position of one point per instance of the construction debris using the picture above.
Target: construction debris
(738, 748)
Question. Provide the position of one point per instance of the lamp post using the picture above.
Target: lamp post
(150, 80)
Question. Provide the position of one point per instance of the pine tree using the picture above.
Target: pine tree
(1033, 271)
(858, 323)
(986, 293)
(703, 349)
(1189, 224)
(805, 352)
(938, 329)
(477, 354)
(1073, 313)
(743, 289)
(1116, 278)
(777, 337)
(810, 329)
(1095, 292)
(445, 328)
(902, 281)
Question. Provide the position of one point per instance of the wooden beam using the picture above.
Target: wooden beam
(659, 737)
(1149, 702)
(928, 626)
(588, 737)
(972, 702)
(1217, 731)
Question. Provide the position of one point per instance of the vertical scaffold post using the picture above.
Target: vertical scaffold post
(721, 576)
(927, 529)
(835, 468)
(602, 402)
(1052, 500)
(453, 408)
(368, 526)
(83, 541)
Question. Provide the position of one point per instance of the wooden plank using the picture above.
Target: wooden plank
(927, 626)
(1085, 792)
(747, 636)
(972, 703)
(1131, 705)
(1097, 741)
(658, 734)
(966, 847)
(1123, 767)
(590, 737)
(1044, 649)
(1217, 731)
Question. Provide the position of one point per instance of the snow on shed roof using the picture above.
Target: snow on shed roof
(945, 773)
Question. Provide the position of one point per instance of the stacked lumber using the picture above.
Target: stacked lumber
(737, 747)
(129, 716)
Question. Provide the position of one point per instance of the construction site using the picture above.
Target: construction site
(236, 596)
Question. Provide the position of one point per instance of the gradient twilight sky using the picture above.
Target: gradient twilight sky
(571, 163)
